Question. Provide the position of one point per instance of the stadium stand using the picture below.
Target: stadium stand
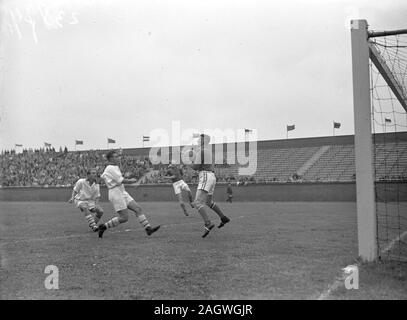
(391, 159)
(336, 164)
(50, 168)
(324, 159)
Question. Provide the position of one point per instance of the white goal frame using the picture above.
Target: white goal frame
(362, 51)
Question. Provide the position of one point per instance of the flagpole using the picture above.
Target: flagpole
(333, 130)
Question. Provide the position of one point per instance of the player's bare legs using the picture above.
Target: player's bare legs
(200, 201)
(182, 204)
(211, 204)
(135, 207)
(89, 217)
(98, 213)
(122, 217)
(191, 201)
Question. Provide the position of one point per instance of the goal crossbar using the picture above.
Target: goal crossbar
(373, 34)
(387, 75)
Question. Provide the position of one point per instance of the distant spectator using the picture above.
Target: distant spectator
(229, 192)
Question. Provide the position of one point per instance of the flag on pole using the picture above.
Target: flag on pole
(246, 133)
(110, 140)
(290, 128)
(78, 142)
(47, 145)
(18, 145)
(387, 120)
(337, 125)
(146, 138)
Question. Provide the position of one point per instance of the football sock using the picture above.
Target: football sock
(183, 207)
(215, 208)
(143, 221)
(204, 215)
(91, 221)
(114, 222)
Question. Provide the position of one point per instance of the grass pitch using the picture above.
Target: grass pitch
(268, 251)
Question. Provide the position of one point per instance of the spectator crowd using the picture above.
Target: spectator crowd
(47, 167)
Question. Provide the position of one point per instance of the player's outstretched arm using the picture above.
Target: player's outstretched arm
(129, 181)
(74, 193)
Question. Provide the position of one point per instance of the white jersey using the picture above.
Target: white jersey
(112, 176)
(114, 182)
(86, 191)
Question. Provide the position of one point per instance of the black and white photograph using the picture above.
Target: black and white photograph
(213, 153)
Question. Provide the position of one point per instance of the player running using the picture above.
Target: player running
(175, 173)
(86, 194)
(203, 163)
(120, 199)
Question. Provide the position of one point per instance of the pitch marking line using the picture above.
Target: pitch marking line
(82, 235)
(394, 241)
(334, 286)
(339, 282)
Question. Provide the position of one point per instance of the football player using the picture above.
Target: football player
(175, 173)
(86, 194)
(202, 162)
(119, 197)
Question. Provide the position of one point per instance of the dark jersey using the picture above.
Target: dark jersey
(176, 172)
(203, 160)
(229, 190)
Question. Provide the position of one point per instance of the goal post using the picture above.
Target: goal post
(379, 74)
(365, 196)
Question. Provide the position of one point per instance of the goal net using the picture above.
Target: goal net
(380, 105)
(388, 87)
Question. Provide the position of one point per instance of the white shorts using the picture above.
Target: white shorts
(119, 198)
(87, 204)
(207, 181)
(180, 186)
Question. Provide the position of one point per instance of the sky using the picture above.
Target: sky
(88, 70)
